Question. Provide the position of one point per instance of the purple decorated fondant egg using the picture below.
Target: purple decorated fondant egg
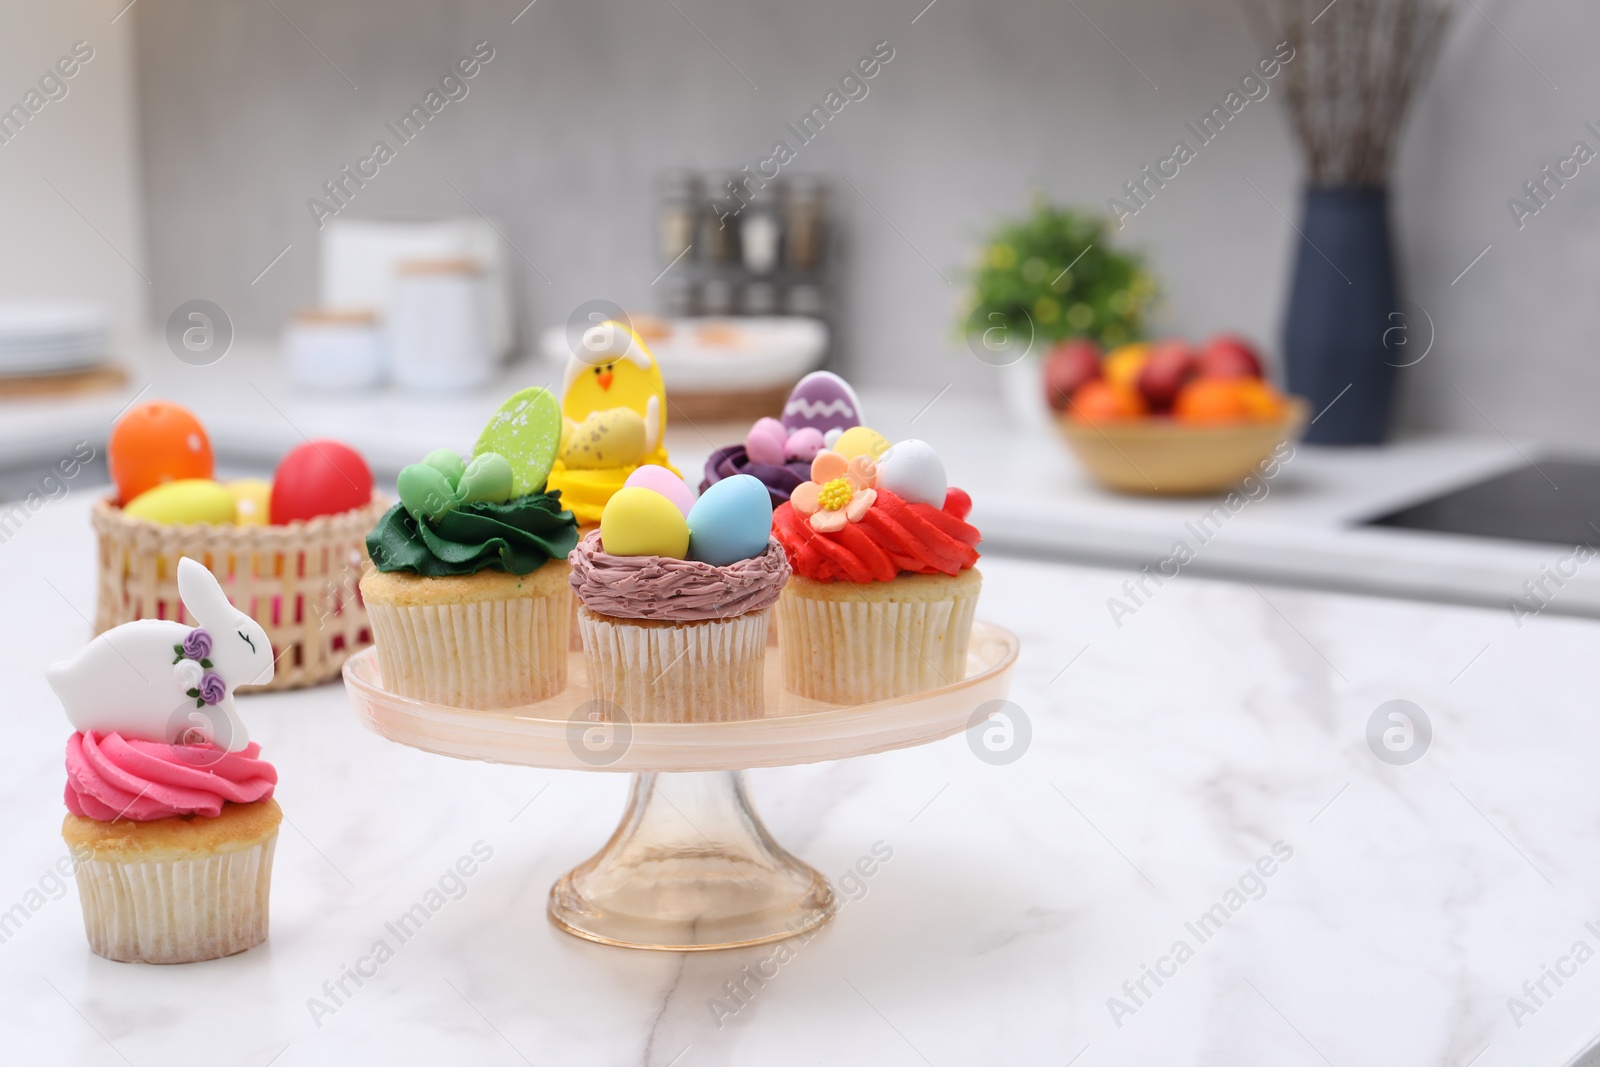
(822, 401)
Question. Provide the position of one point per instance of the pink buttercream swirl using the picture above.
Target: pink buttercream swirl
(110, 777)
(663, 589)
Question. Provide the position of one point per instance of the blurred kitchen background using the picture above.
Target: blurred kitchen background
(180, 163)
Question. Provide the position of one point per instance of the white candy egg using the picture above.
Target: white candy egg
(913, 471)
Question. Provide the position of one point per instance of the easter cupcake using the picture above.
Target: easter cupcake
(467, 595)
(884, 590)
(675, 596)
(171, 822)
(614, 415)
(778, 452)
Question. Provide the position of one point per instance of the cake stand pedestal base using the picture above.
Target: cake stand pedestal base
(690, 868)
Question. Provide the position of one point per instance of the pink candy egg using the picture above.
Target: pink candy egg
(660, 480)
(804, 444)
(765, 441)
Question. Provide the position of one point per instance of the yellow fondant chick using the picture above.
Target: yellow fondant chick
(610, 393)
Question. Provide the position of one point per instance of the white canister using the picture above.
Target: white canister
(334, 348)
(439, 328)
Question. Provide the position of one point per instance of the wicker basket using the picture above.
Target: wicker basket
(300, 581)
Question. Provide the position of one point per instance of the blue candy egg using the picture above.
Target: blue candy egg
(731, 521)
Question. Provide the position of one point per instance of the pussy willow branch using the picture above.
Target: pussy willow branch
(1357, 66)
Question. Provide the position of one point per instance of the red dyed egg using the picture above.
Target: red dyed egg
(319, 478)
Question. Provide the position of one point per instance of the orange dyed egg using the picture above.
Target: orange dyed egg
(154, 443)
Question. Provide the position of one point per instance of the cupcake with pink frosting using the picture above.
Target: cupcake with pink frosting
(171, 821)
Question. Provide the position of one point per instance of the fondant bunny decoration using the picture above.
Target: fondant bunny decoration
(159, 680)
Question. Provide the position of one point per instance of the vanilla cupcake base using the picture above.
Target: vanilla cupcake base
(175, 890)
(706, 671)
(852, 644)
(485, 640)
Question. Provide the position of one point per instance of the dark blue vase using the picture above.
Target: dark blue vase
(1340, 307)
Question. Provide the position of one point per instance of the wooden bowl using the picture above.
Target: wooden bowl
(1158, 456)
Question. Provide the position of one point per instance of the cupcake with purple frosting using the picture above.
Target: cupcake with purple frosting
(778, 452)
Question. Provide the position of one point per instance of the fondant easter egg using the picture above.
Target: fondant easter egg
(663, 481)
(913, 471)
(824, 401)
(252, 501)
(804, 444)
(447, 463)
(860, 441)
(731, 521)
(642, 522)
(424, 492)
(489, 478)
(188, 500)
(319, 478)
(764, 443)
(526, 430)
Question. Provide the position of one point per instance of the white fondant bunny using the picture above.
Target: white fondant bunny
(134, 681)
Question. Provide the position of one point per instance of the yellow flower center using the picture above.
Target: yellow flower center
(835, 494)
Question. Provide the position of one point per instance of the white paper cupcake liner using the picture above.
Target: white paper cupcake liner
(857, 651)
(677, 672)
(180, 911)
(482, 654)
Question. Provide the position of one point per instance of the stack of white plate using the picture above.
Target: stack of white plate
(40, 337)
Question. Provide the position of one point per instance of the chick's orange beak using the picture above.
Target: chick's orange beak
(604, 378)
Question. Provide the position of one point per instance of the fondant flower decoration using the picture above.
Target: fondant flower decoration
(197, 645)
(189, 673)
(212, 689)
(840, 491)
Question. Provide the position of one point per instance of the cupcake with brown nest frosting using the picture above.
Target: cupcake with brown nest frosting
(675, 603)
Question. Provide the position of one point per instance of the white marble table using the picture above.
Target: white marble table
(1167, 756)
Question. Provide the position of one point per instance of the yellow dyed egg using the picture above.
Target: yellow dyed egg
(860, 441)
(642, 522)
(189, 500)
(611, 438)
(252, 501)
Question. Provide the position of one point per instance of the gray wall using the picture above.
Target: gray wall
(243, 119)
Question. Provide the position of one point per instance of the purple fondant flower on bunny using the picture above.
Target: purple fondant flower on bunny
(212, 688)
(197, 645)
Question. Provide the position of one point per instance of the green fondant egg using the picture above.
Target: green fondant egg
(526, 430)
(488, 478)
(424, 491)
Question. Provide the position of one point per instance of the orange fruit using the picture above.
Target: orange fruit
(1213, 402)
(154, 443)
(1123, 364)
(1265, 402)
(1103, 401)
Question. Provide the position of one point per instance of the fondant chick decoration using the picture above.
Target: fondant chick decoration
(613, 419)
(159, 680)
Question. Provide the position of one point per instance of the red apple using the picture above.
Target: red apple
(1170, 366)
(1070, 364)
(1229, 356)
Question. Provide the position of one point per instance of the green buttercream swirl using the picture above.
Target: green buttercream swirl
(516, 537)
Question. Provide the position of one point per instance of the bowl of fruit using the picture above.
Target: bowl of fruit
(1168, 417)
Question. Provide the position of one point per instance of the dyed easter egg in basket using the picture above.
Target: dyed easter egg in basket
(319, 478)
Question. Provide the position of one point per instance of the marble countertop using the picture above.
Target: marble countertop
(1199, 775)
(1301, 527)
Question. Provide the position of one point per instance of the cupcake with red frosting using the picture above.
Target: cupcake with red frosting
(884, 590)
(171, 821)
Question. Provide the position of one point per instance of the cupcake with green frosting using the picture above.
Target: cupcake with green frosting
(468, 595)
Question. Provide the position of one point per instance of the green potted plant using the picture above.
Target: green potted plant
(1041, 279)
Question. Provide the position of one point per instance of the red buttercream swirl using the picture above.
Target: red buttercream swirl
(893, 537)
(110, 777)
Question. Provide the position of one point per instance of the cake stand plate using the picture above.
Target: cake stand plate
(690, 867)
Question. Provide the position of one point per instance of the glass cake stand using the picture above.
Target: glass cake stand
(690, 867)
